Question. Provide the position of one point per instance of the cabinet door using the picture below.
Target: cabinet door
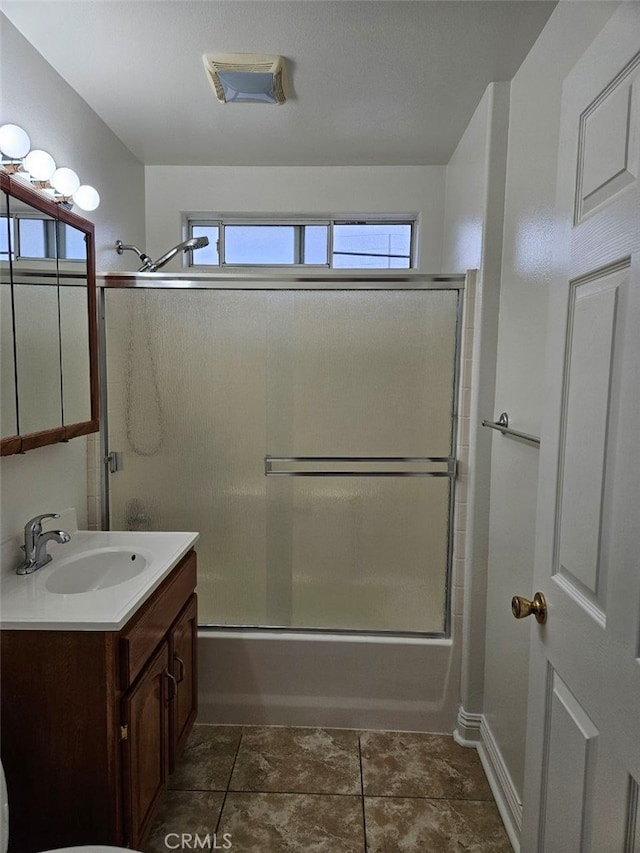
(183, 645)
(146, 753)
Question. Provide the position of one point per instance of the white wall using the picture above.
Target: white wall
(465, 193)
(35, 97)
(473, 238)
(290, 190)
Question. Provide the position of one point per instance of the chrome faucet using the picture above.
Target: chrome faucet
(35, 544)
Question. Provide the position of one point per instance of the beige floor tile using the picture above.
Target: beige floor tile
(207, 760)
(184, 812)
(395, 825)
(404, 764)
(292, 823)
(291, 760)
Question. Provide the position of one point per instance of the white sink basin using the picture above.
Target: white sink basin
(94, 570)
(96, 582)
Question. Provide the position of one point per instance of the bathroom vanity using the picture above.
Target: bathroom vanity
(99, 688)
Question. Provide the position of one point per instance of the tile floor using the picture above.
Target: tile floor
(296, 790)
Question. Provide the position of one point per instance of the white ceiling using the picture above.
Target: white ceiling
(373, 82)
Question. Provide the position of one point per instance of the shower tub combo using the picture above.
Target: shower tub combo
(307, 427)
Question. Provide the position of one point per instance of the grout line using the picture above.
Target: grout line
(364, 816)
(198, 790)
(418, 797)
(224, 799)
(330, 794)
(294, 793)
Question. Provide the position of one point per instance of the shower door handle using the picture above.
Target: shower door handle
(360, 466)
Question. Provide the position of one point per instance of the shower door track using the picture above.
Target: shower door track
(283, 280)
(314, 281)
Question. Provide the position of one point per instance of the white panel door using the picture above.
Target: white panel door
(583, 735)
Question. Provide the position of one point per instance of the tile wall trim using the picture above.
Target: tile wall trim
(94, 473)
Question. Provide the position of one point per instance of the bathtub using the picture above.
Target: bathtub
(334, 680)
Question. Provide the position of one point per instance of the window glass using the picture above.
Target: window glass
(75, 248)
(32, 238)
(209, 254)
(5, 224)
(366, 245)
(259, 244)
(362, 245)
(316, 238)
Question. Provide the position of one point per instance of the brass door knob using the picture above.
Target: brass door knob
(521, 607)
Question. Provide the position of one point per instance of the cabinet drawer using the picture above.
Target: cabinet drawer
(147, 628)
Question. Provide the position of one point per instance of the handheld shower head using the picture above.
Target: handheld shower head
(186, 246)
(151, 266)
(198, 243)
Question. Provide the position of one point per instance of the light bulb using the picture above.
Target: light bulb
(14, 142)
(65, 181)
(86, 197)
(40, 165)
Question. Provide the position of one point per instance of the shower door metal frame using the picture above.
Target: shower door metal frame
(285, 280)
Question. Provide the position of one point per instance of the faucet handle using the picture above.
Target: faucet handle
(35, 525)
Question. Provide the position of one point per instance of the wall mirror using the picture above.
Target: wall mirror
(48, 328)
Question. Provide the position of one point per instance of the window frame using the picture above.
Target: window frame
(220, 222)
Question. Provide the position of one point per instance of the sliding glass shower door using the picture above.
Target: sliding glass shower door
(307, 435)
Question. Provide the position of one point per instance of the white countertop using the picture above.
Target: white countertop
(26, 603)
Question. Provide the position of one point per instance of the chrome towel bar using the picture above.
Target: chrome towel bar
(502, 425)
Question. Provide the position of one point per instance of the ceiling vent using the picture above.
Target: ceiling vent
(248, 78)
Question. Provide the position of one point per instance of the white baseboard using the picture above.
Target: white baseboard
(467, 730)
(473, 731)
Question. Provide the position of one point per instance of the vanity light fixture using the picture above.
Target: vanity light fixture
(39, 164)
(65, 181)
(14, 143)
(86, 197)
(247, 78)
(39, 168)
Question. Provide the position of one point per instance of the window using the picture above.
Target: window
(368, 244)
(33, 238)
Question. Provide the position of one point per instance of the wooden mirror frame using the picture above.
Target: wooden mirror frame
(16, 188)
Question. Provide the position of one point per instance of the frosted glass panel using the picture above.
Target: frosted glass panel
(204, 384)
(186, 382)
(362, 554)
(361, 374)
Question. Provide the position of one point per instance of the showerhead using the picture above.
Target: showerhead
(186, 246)
(197, 243)
(151, 266)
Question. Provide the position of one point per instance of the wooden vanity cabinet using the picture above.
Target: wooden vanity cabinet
(93, 722)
